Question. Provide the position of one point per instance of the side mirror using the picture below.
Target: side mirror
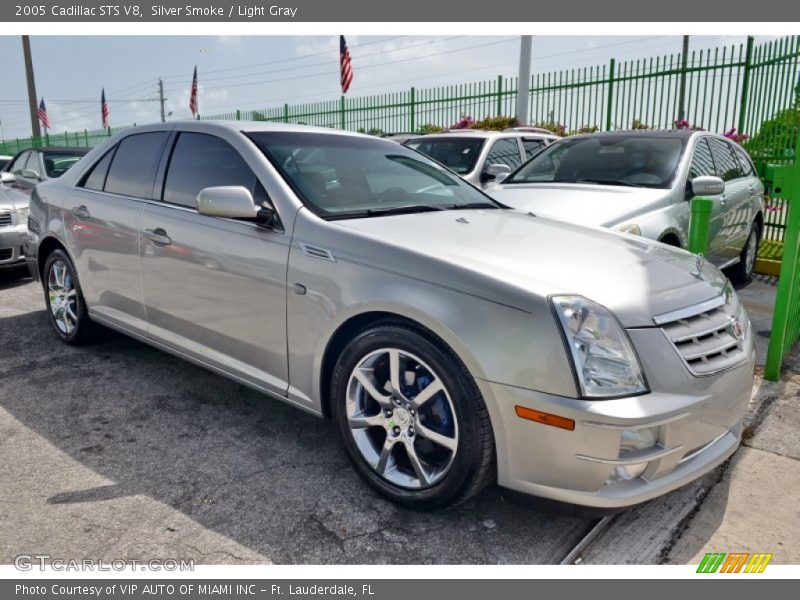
(707, 185)
(230, 201)
(496, 172)
(31, 174)
(6, 177)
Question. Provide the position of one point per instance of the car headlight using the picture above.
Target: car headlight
(22, 216)
(631, 228)
(604, 359)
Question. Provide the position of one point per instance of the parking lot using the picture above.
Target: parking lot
(118, 450)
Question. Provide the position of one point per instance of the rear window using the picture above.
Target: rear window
(134, 164)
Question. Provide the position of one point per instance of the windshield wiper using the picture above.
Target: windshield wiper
(605, 182)
(470, 205)
(400, 210)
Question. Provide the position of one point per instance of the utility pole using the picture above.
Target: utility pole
(524, 79)
(682, 92)
(26, 52)
(161, 98)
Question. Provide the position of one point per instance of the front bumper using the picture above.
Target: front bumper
(697, 421)
(12, 240)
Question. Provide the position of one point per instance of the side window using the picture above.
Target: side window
(199, 161)
(96, 178)
(505, 152)
(727, 166)
(19, 164)
(744, 161)
(702, 162)
(532, 146)
(134, 163)
(33, 163)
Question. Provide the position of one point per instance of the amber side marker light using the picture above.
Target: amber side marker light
(545, 418)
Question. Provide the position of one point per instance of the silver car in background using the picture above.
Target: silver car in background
(641, 182)
(13, 223)
(454, 343)
(482, 156)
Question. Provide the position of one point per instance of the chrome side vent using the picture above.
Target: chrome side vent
(317, 252)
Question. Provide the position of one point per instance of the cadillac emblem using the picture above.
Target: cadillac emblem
(735, 328)
(699, 263)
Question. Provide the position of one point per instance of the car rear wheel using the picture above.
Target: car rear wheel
(65, 305)
(412, 420)
(742, 272)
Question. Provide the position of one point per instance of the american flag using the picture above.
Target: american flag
(42, 114)
(344, 64)
(104, 108)
(193, 97)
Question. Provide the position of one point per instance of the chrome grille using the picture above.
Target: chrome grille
(5, 218)
(710, 338)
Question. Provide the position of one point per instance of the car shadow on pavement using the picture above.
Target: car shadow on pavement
(11, 278)
(266, 475)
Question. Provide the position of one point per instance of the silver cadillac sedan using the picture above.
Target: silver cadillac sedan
(453, 342)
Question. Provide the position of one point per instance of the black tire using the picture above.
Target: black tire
(472, 466)
(742, 272)
(83, 330)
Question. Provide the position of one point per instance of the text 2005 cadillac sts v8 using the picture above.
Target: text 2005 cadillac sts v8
(453, 342)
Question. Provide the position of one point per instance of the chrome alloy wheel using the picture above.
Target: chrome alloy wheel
(63, 297)
(401, 418)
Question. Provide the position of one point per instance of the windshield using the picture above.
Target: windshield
(56, 164)
(343, 176)
(457, 153)
(629, 160)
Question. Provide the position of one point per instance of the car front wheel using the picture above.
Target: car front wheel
(411, 418)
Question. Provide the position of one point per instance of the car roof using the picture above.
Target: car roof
(664, 133)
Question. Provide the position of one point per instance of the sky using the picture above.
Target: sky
(253, 72)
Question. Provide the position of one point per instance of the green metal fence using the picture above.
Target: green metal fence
(81, 139)
(785, 183)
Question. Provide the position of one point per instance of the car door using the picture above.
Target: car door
(504, 151)
(754, 193)
(101, 217)
(215, 288)
(703, 164)
(733, 202)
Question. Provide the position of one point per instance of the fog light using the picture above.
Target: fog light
(627, 472)
(637, 439)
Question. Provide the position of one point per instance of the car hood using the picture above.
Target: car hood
(517, 259)
(11, 199)
(586, 204)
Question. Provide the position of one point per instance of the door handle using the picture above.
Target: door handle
(158, 236)
(81, 212)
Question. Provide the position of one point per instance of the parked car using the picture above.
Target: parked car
(31, 167)
(642, 182)
(13, 223)
(480, 156)
(453, 342)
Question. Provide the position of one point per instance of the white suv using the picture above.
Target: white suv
(480, 156)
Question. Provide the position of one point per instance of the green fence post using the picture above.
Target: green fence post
(342, 121)
(413, 119)
(610, 98)
(285, 113)
(499, 96)
(700, 224)
(238, 115)
(748, 61)
(86, 137)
